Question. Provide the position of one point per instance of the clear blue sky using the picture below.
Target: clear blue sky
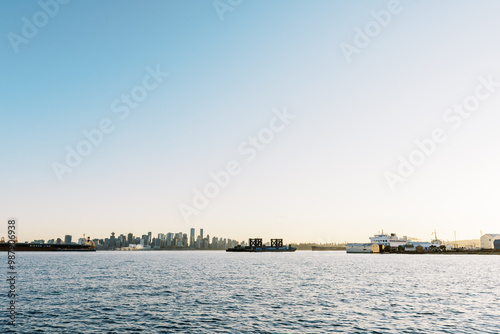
(322, 178)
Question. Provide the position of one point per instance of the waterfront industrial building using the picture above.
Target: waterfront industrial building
(488, 241)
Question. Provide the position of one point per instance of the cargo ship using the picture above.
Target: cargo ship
(256, 246)
(328, 248)
(89, 246)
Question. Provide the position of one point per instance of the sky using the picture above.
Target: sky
(308, 120)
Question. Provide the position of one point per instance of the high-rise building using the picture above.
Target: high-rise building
(169, 239)
(150, 237)
(130, 238)
(122, 240)
(67, 239)
(201, 233)
(58, 241)
(112, 240)
(179, 239)
(191, 239)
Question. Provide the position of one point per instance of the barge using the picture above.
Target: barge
(89, 246)
(256, 246)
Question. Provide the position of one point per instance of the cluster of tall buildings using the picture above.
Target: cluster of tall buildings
(168, 240)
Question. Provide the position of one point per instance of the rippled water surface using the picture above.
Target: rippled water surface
(219, 292)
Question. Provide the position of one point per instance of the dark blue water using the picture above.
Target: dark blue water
(218, 292)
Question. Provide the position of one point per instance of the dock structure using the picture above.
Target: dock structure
(276, 242)
(255, 243)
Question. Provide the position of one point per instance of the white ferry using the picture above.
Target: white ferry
(390, 242)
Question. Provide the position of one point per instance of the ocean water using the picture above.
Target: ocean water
(219, 292)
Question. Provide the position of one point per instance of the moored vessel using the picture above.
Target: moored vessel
(328, 248)
(89, 246)
(363, 248)
(255, 245)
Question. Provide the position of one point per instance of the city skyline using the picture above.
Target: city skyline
(167, 240)
(325, 122)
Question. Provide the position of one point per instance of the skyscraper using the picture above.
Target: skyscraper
(112, 240)
(122, 240)
(67, 239)
(169, 239)
(191, 239)
(201, 233)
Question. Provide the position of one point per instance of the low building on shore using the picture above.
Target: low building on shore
(488, 240)
(413, 246)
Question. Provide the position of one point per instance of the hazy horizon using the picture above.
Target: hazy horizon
(312, 121)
